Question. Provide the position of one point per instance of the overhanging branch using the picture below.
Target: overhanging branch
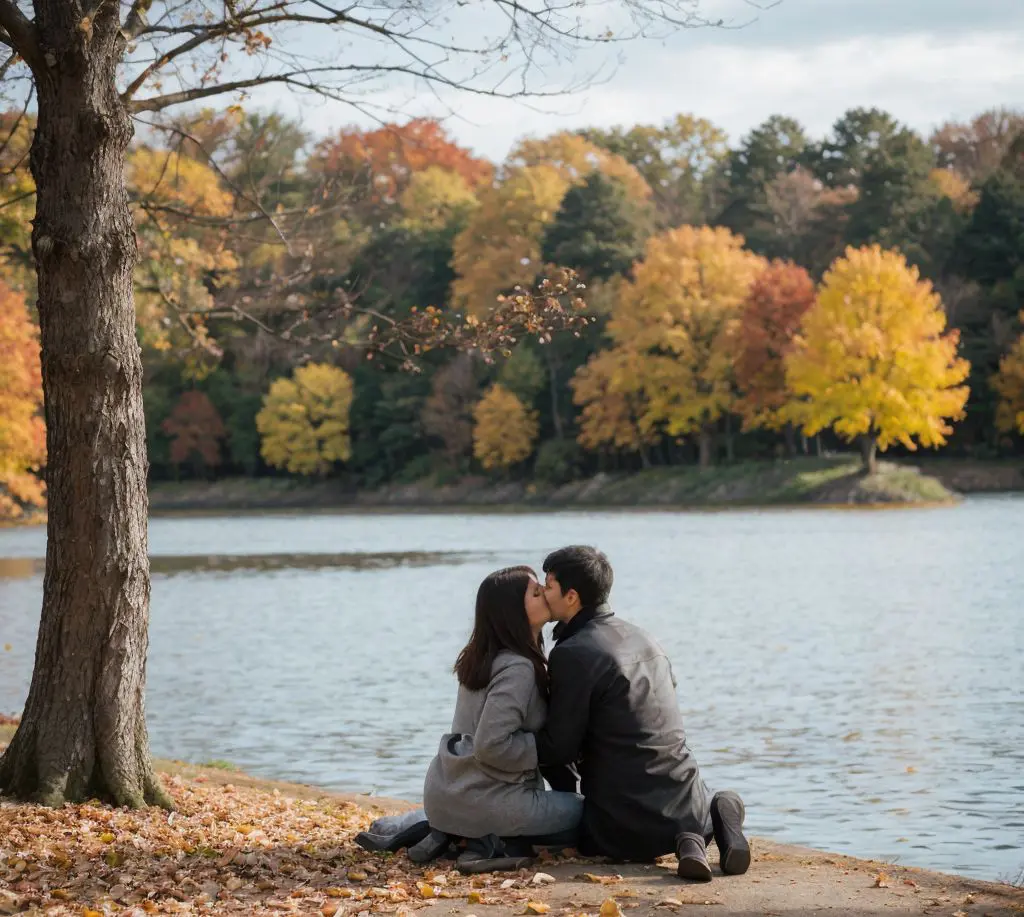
(20, 34)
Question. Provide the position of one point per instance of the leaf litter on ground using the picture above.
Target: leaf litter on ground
(226, 850)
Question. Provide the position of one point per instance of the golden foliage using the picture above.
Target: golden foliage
(182, 259)
(500, 247)
(951, 184)
(610, 389)
(304, 422)
(1008, 383)
(504, 430)
(874, 358)
(575, 158)
(435, 197)
(674, 329)
(22, 432)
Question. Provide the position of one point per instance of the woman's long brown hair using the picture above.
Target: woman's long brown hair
(501, 624)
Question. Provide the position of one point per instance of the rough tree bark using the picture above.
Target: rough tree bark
(83, 731)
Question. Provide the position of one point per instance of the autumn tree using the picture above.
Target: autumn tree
(1008, 383)
(92, 69)
(383, 162)
(304, 422)
(976, 148)
(448, 413)
(501, 247)
(874, 360)
(680, 312)
(777, 302)
(616, 413)
(679, 161)
(504, 429)
(22, 433)
(196, 431)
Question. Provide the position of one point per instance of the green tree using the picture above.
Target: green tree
(599, 229)
(772, 149)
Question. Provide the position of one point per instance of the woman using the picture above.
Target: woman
(485, 779)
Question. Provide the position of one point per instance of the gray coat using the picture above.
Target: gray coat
(484, 778)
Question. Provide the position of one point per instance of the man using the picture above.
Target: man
(614, 714)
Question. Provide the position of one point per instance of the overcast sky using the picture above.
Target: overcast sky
(926, 61)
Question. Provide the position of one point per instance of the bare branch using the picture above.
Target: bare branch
(20, 34)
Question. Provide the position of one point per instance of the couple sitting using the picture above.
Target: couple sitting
(600, 715)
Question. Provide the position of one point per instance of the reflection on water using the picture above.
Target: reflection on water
(857, 676)
(20, 567)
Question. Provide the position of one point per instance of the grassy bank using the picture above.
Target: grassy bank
(237, 845)
(817, 481)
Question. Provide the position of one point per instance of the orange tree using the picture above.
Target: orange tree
(22, 435)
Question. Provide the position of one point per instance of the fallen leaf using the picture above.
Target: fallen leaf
(357, 875)
(425, 890)
(536, 907)
(610, 908)
(474, 897)
(881, 881)
(542, 878)
(107, 837)
(669, 902)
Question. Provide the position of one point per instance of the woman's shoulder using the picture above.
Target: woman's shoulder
(512, 663)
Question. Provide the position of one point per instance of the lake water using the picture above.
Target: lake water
(858, 676)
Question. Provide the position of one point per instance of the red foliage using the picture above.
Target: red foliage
(196, 428)
(771, 316)
(388, 157)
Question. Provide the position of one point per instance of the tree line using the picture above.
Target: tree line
(740, 298)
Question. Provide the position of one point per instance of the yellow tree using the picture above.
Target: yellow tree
(1009, 385)
(610, 390)
(500, 248)
(680, 312)
(436, 197)
(874, 360)
(504, 429)
(22, 434)
(178, 203)
(304, 422)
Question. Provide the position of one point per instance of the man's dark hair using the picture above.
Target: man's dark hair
(584, 569)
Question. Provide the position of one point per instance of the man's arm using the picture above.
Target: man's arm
(560, 740)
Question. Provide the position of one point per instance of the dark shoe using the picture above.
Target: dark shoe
(434, 845)
(384, 843)
(727, 814)
(490, 854)
(693, 858)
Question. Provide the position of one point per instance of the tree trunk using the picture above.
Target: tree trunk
(730, 440)
(705, 440)
(789, 435)
(556, 414)
(869, 453)
(83, 731)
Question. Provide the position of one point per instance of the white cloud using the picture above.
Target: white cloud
(922, 79)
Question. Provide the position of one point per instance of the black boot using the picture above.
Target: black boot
(492, 854)
(693, 858)
(727, 814)
(435, 844)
